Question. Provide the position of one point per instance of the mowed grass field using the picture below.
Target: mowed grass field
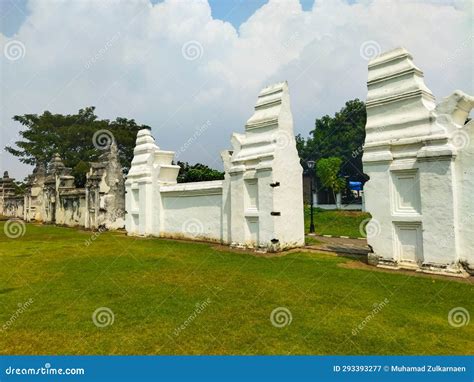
(176, 297)
(337, 222)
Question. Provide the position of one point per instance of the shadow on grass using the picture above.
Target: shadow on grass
(7, 290)
(354, 257)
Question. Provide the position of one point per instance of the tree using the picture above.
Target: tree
(328, 170)
(19, 187)
(73, 137)
(341, 135)
(197, 173)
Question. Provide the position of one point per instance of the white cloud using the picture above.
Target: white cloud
(126, 58)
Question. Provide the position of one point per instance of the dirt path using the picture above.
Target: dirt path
(340, 245)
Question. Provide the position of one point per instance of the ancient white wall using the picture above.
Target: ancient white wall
(52, 197)
(259, 204)
(71, 209)
(192, 210)
(419, 157)
(465, 187)
(13, 206)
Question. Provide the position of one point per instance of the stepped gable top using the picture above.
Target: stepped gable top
(6, 180)
(56, 167)
(268, 107)
(392, 76)
(56, 164)
(6, 184)
(39, 172)
(110, 155)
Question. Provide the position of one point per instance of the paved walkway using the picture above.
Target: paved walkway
(340, 245)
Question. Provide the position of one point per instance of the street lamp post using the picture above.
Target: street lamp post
(310, 164)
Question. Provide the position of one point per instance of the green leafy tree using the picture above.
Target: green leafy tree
(79, 172)
(197, 173)
(19, 187)
(328, 171)
(341, 135)
(72, 136)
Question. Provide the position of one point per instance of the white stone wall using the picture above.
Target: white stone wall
(465, 187)
(419, 157)
(259, 204)
(193, 210)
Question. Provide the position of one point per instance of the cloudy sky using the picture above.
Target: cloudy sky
(197, 66)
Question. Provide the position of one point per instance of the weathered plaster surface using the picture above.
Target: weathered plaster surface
(52, 197)
(419, 157)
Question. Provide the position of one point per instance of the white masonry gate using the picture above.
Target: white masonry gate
(259, 204)
(420, 159)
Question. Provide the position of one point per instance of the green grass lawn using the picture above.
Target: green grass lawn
(336, 223)
(154, 288)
